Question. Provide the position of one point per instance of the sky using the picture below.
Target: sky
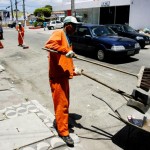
(30, 5)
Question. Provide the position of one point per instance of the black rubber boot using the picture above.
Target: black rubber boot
(68, 140)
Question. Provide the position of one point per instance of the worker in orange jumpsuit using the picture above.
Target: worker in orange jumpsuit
(1, 45)
(20, 30)
(61, 69)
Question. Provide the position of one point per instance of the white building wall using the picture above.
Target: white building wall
(139, 10)
(139, 14)
(81, 4)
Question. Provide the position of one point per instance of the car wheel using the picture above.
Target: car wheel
(49, 28)
(52, 28)
(100, 55)
(142, 45)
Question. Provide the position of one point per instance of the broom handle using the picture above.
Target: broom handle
(103, 65)
(85, 74)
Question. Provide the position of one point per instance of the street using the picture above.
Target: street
(28, 69)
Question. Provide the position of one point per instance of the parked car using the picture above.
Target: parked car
(127, 31)
(102, 42)
(12, 25)
(55, 25)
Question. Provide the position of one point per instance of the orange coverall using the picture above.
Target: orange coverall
(1, 45)
(60, 71)
(20, 34)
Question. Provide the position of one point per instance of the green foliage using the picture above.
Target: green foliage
(45, 11)
(40, 24)
(35, 24)
(49, 7)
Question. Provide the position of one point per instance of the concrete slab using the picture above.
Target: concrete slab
(29, 126)
(21, 131)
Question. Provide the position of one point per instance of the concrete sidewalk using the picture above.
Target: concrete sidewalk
(26, 124)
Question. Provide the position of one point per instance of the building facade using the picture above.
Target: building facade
(133, 12)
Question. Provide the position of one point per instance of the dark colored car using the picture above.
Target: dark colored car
(12, 25)
(102, 42)
(127, 31)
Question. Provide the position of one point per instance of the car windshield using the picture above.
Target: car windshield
(102, 30)
(128, 29)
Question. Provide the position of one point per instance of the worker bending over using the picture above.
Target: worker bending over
(20, 30)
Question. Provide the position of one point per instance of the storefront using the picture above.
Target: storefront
(110, 11)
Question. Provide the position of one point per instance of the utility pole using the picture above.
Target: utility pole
(16, 11)
(73, 13)
(12, 13)
(24, 13)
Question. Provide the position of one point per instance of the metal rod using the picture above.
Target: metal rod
(106, 66)
(103, 65)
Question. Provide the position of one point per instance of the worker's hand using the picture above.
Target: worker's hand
(78, 71)
(70, 54)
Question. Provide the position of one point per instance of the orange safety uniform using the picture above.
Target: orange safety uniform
(1, 45)
(60, 71)
(20, 34)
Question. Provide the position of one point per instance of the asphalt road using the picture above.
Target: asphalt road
(29, 71)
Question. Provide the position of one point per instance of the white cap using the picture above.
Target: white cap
(70, 19)
(19, 23)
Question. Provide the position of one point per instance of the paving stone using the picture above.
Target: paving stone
(75, 138)
(28, 148)
(44, 110)
(11, 114)
(43, 146)
(49, 125)
(56, 142)
(42, 116)
(32, 108)
(22, 111)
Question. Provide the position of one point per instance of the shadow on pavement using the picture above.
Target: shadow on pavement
(73, 123)
(132, 138)
(128, 138)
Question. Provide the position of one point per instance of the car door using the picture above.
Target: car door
(121, 32)
(58, 24)
(85, 39)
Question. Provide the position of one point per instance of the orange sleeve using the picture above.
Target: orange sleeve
(57, 42)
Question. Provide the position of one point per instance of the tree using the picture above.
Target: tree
(43, 14)
(49, 7)
(44, 11)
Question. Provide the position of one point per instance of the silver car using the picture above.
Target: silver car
(55, 24)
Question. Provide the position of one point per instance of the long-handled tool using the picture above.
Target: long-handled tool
(24, 46)
(143, 76)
